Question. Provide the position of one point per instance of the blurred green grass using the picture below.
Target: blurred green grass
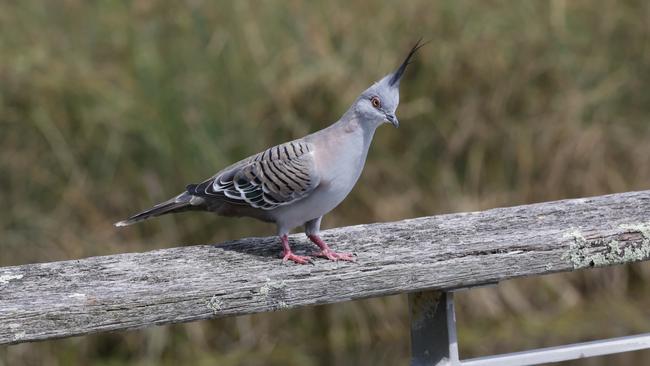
(107, 107)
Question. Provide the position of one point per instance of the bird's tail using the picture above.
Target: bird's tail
(182, 202)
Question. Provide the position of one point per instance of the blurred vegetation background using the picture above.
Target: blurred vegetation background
(108, 107)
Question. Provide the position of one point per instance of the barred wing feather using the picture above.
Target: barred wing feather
(278, 176)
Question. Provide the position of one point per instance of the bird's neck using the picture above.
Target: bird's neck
(347, 142)
(351, 126)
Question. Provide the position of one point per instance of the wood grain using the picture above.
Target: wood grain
(133, 290)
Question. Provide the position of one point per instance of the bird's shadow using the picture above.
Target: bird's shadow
(266, 247)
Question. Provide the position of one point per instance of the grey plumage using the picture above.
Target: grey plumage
(297, 182)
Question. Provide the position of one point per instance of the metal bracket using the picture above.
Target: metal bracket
(433, 329)
(434, 341)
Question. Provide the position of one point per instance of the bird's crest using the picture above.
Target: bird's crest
(397, 75)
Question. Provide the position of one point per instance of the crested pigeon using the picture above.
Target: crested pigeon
(297, 182)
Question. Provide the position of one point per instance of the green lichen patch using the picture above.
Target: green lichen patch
(630, 244)
(6, 278)
(274, 292)
(271, 287)
(576, 253)
(643, 229)
(215, 304)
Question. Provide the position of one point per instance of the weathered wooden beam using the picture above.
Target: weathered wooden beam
(133, 290)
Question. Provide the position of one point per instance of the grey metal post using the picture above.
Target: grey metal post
(433, 329)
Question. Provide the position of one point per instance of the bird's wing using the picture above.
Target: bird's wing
(278, 176)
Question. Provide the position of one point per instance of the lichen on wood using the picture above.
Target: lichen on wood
(630, 243)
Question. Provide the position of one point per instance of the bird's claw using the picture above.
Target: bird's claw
(334, 256)
(300, 259)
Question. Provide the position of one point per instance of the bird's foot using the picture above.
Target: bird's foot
(300, 259)
(287, 254)
(334, 256)
(328, 253)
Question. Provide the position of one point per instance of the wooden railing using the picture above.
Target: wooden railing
(134, 290)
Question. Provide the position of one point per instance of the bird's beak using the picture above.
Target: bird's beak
(392, 119)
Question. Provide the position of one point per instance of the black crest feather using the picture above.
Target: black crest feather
(397, 75)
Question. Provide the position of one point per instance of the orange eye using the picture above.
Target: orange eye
(375, 102)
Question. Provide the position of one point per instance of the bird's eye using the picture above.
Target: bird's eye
(375, 102)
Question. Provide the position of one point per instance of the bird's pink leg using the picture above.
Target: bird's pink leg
(287, 254)
(328, 253)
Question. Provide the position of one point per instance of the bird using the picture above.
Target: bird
(297, 182)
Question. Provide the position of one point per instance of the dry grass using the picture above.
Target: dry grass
(106, 108)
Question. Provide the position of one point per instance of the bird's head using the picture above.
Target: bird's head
(378, 103)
